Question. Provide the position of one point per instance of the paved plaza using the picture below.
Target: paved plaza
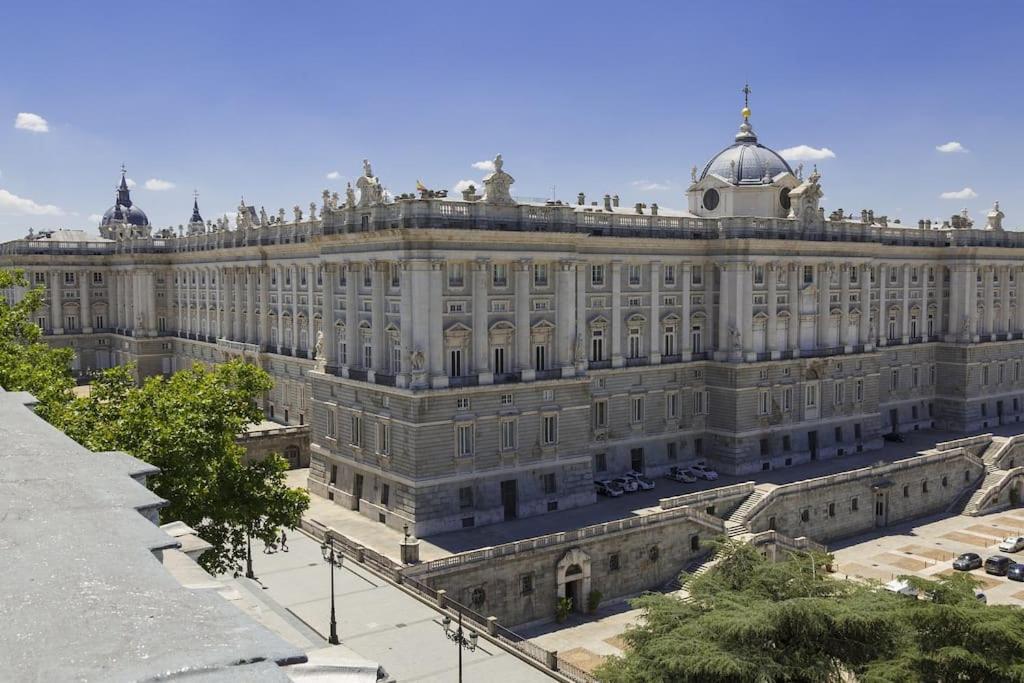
(376, 620)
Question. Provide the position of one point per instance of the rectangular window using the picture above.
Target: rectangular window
(367, 276)
(331, 428)
(859, 390)
(915, 374)
(548, 481)
(671, 405)
(499, 275)
(97, 278)
(894, 380)
(540, 275)
(758, 275)
(550, 430)
(462, 403)
(764, 402)
(385, 495)
(808, 275)
(700, 402)
(357, 431)
(456, 274)
(787, 399)
(600, 413)
(507, 400)
(697, 275)
(455, 362)
(634, 274)
(464, 440)
(669, 274)
(526, 584)
(635, 342)
(838, 393)
(811, 395)
(509, 434)
(597, 275)
(384, 438)
(466, 497)
(600, 462)
(69, 278)
(637, 414)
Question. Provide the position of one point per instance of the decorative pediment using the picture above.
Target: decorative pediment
(545, 325)
(671, 318)
(761, 316)
(636, 318)
(599, 321)
(458, 328)
(502, 326)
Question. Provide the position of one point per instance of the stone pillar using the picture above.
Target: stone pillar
(771, 332)
(794, 308)
(565, 317)
(352, 316)
(1018, 326)
(864, 331)
(406, 321)
(439, 378)
(844, 307)
(264, 284)
(481, 335)
(56, 314)
(735, 316)
(986, 276)
(1004, 298)
(824, 303)
(294, 272)
(883, 305)
(905, 332)
(524, 361)
(580, 335)
(923, 323)
(152, 325)
(377, 304)
(328, 319)
(654, 356)
(280, 308)
(251, 335)
(940, 302)
(311, 272)
(617, 360)
(240, 310)
(686, 342)
(83, 293)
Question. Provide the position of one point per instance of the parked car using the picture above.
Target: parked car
(967, 562)
(1012, 544)
(682, 474)
(982, 598)
(643, 482)
(607, 487)
(894, 436)
(1015, 572)
(628, 484)
(997, 565)
(704, 472)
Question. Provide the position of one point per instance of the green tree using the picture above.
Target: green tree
(26, 363)
(187, 426)
(754, 620)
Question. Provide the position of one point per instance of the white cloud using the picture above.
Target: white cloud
(484, 165)
(158, 185)
(966, 193)
(95, 218)
(130, 183)
(951, 147)
(464, 185)
(650, 185)
(33, 123)
(12, 203)
(807, 153)
(333, 175)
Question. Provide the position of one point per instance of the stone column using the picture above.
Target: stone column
(905, 334)
(824, 303)
(923, 324)
(771, 333)
(83, 294)
(439, 378)
(240, 309)
(844, 307)
(794, 308)
(294, 271)
(580, 336)
(152, 325)
(250, 305)
(735, 316)
(416, 318)
(328, 319)
(264, 285)
(352, 316)
(654, 356)
(406, 321)
(311, 272)
(685, 343)
(986, 276)
(1004, 298)
(524, 361)
(941, 327)
(56, 314)
(1018, 326)
(617, 360)
(377, 304)
(883, 305)
(864, 331)
(280, 308)
(481, 335)
(565, 317)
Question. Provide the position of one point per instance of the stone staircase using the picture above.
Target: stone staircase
(736, 523)
(993, 477)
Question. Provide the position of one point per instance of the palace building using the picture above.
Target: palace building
(469, 359)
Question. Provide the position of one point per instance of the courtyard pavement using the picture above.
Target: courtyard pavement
(376, 620)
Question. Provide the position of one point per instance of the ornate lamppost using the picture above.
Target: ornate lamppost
(457, 636)
(334, 560)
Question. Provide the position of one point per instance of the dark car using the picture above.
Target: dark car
(894, 436)
(1015, 572)
(997, 565)
(967, 562)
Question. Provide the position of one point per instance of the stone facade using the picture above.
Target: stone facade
(484, 358)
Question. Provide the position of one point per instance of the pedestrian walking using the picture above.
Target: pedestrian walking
(284, 541)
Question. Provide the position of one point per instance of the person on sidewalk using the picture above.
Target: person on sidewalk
(284, 541)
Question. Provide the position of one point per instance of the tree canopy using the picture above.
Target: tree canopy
(754, 620)
(187, 426)
(26, 362)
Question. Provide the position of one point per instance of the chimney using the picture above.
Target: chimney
(920, 224)
(615, 200)
(639, 207)
(581, 199)
(608, 202)
(654, 209)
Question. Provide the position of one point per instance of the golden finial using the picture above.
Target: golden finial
(746, 101)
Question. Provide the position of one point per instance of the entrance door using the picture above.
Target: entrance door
(636, 459)
(880, 516)
(357, 491)
(509, 498)
(812, 444)
(894, 419)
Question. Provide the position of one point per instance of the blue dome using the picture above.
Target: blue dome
(751, 160)
(133, 215)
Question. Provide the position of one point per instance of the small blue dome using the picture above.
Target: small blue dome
(751, 160)
(133, 215)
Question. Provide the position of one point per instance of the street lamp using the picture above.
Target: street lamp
(334, 559)
(456, 636)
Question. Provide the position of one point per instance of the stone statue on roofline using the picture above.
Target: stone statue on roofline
(497, 185)
(370, 191)
(350, 197)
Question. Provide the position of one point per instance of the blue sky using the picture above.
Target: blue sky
(266, 99)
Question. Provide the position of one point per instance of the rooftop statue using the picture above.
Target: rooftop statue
(498, 184)
(370, 191)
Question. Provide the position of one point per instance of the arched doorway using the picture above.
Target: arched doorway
(573, 578)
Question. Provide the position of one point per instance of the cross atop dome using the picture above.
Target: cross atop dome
(746, 101)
